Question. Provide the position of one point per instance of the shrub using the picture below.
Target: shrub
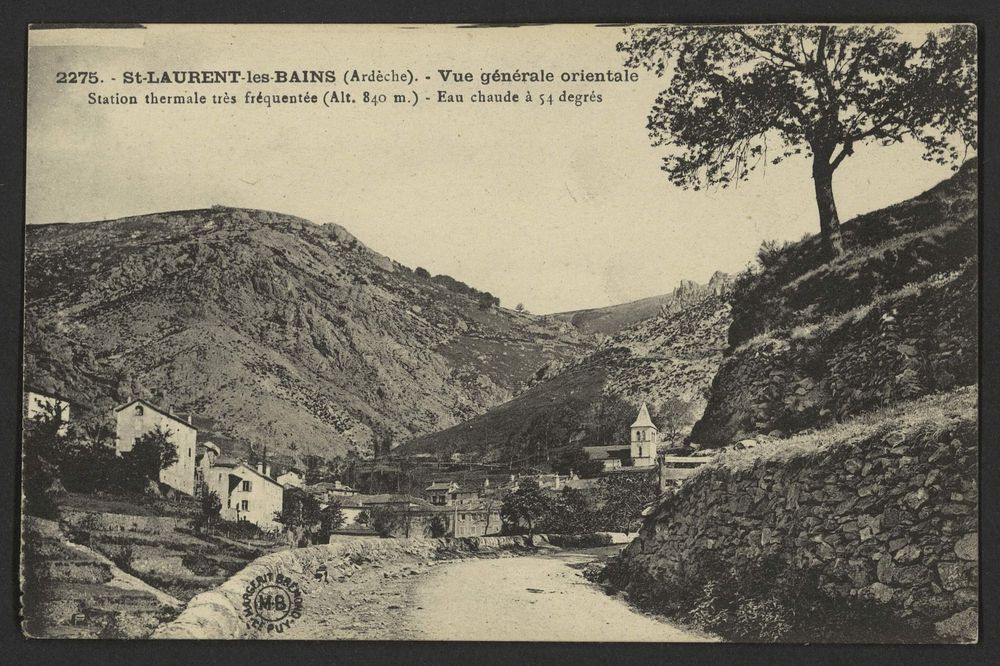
(123, 556)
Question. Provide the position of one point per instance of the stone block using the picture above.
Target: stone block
(912, 576)
(885, 569)
(952, 575)
(963, 626)
(907, 554)
(967, 548)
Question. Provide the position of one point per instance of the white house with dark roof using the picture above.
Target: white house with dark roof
(136, 418)
(246, 493)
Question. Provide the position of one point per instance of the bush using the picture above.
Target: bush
(770, 253)
(763, 601)
(123, 556)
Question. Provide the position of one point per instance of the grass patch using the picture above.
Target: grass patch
(938, 413)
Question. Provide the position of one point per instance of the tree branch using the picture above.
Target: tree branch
(795, 64)
(846, 151)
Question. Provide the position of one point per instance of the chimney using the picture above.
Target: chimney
(189, 419)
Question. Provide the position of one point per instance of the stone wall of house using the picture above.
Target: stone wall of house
(890, 517)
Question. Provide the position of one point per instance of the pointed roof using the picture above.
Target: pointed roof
(643, 420)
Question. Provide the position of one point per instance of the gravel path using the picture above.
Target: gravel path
(538, 597)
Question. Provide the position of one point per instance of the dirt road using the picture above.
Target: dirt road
(533, 598)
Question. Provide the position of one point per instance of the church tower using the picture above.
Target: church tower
(645, 437)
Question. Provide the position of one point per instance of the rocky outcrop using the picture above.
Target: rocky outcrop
(921, 341)
(885, 513)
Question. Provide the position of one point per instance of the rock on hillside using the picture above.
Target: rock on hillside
(893, 319)
(614, 318)
(276, 330)
(668, 357)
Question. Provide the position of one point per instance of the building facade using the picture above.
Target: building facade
(38, 403)
(139, 417)
(246, 493)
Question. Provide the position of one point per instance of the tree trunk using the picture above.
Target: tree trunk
(829, 221)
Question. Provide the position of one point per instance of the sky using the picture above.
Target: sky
(557, 207)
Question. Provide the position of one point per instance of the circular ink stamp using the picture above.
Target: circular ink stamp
(271, 602)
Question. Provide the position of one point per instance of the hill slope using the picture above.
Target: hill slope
(893, 319)
(667, 358)
(271, 328)
(613, 318)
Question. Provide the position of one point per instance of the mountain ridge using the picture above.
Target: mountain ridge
(280, 330)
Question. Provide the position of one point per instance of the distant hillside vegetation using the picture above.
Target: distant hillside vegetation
(667, 360)
(895, 318)
(271, 329)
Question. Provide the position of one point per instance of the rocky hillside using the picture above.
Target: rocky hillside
(272, 329)
(612, 319)
(893, 319)
(666, 359)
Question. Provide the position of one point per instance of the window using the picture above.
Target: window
(245, 505)
(246, 487)
(220, 476)
(189, 453)
(138, 410)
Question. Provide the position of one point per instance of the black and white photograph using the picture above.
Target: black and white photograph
(660, 333)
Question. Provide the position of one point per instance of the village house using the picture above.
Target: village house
(350, 507)
(138, 417)
(447, 493)
(44, 403)
(291, 478)
(246, 493)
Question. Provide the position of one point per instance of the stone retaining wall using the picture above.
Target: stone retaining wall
(218, 614)
(120, 522)
(890, 517)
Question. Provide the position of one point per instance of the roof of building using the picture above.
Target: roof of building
(47, 394)
(165, 412)
(643, 420)
(208, 446)
(244, 466)
(607, 452)
(439, 485)
(392, 498)
(356, 530)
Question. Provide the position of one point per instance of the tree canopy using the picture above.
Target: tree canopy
(741, 97)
